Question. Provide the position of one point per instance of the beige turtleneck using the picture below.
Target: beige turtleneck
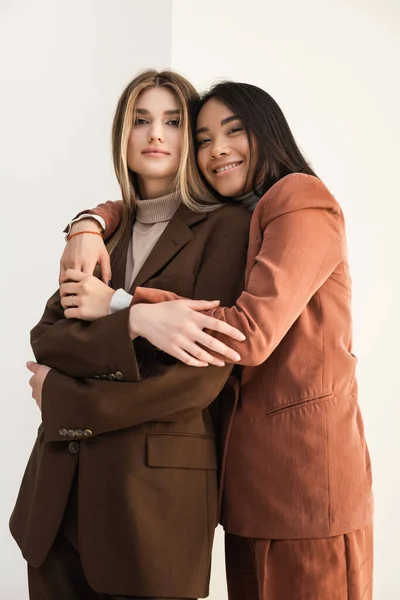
(152, 217)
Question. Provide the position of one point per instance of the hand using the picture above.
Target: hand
(83, 252)
(177, 328)
(90, 297)
(37, 380)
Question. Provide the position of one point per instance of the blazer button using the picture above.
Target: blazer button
(71, 432)
(111, 377)
(119, 376)
(73, 447)
(78, 432)
(63, 432)
(87, 432)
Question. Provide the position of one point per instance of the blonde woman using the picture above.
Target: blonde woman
(119, 498)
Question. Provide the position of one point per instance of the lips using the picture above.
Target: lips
(155, 152)
(226, 167)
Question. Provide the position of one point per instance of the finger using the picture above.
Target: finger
(66, 302)
(66, 274)
(73, 275)
(202, 355)
(72, 313)
(69, 288)
(105, 266)
(215, 345)
(201, 304)
(221, 327)
(62, 272)
(188, 359)
(32, 366)
(88, 267)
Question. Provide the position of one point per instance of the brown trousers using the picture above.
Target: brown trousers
(336, 568)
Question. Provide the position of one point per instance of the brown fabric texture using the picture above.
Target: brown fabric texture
(297, 464)
(146, 470)
(336, 568)
(61, 577)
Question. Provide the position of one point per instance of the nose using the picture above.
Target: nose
(219, 149)
(156, 133)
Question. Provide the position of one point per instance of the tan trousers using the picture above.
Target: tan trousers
(61, 577)
(336, 568)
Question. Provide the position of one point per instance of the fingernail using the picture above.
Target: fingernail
(241, 337)
(221, 364)
(236, 357)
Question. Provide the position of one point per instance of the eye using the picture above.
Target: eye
(235, 130)
(140, 122)
(202, 142)
(174, 122)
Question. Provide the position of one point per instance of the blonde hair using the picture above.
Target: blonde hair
(195, 195)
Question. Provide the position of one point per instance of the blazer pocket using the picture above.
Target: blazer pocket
(306, 403)
(181, 451)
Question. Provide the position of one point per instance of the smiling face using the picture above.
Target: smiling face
(154, 145)
(223, 149)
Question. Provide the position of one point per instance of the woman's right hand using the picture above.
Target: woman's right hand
(177, 328)
(83, 252)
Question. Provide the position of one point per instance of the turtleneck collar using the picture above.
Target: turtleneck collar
(249, 200)
(157, 210)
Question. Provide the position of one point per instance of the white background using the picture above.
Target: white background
(63, 68)
(333, 68)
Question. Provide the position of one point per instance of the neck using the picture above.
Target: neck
(248, 200)
(155, 188)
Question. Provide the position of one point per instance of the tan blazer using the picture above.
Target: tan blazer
(297, 464)
(139, 437)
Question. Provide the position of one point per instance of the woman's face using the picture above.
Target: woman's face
(154, 145)
(223, 149)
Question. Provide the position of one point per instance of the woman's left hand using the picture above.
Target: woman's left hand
(36, 382)
(84, 296)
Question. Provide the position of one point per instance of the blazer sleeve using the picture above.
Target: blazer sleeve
(82, 348)
(110, 211)
(299, 252)
(171, 389)
(299, 229)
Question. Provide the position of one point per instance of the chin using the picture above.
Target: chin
(230, 191)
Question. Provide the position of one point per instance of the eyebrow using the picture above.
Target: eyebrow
(143, 111)
(223, 122)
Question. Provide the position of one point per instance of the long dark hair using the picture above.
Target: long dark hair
(277, 153)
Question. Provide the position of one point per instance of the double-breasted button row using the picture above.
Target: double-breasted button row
(117, 376)
(72, 433)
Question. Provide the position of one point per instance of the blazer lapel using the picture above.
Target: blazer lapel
(118, 258)
(175, 237)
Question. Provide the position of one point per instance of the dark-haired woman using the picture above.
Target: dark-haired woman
(297, 502)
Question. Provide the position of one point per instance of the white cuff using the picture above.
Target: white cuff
(100, 220)
(121, 299)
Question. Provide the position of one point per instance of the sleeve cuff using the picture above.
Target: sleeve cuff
(97, 218)
(121, 299)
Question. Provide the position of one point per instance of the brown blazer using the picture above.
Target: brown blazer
(140, 438)
(297, 464)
